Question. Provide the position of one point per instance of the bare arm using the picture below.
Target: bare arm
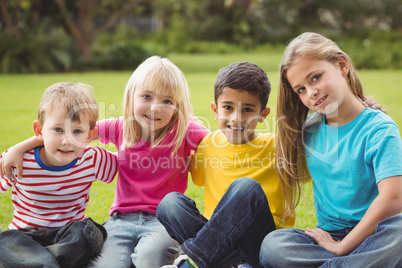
(14, 157)
(388, 203)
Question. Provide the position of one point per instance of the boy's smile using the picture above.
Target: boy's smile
(238, 113)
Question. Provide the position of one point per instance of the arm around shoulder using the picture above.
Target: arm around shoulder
(14, 156)
(106, 164)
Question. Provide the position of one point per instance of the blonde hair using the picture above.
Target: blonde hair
(75, 99)
(292, 113)
(163, 77)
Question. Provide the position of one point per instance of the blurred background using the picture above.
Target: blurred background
(73, 35)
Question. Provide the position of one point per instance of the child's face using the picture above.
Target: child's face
(321, 85)
(153, 111)
(238, 113)
(64, 140)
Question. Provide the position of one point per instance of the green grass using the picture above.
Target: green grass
(20, 96)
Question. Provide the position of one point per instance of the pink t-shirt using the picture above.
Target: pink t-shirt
(147, 174)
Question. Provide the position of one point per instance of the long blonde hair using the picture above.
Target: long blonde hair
(163, 77)
(292, 113)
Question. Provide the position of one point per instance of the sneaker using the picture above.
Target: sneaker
(242, 265)
(187, 263)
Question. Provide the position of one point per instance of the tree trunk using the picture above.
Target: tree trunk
(6, 16)
(82, 29)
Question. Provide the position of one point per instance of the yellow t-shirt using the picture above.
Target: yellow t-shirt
(217, 163)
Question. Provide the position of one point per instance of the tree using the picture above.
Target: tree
(84, 20)
(212, 20)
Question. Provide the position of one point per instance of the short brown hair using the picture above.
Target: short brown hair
(75, 99)
(244, 75)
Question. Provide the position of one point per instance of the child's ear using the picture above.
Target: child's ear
(92, 133)
(37, 129)
(214, 108)
(264, 114)
(343, 65)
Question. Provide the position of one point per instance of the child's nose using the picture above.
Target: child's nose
(156, 107)
(236, 117)
(66, 140)
(313, 92)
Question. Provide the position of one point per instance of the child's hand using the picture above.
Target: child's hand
(325, 240)
(370, 102)
(7, 163)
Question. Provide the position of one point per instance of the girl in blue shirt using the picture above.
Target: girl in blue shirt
(352, 153)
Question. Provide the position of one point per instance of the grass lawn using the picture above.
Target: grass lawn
(20, 96)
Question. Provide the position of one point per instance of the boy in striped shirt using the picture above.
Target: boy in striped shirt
(51, 198)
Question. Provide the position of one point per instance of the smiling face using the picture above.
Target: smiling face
(64, 140)
(153, 111)
(321, 85)
(238, 113)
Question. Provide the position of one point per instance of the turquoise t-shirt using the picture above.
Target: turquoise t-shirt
(347, 162)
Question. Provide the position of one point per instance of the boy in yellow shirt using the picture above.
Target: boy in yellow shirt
(237, 167)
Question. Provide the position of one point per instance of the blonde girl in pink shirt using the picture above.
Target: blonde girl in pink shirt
(154, 141)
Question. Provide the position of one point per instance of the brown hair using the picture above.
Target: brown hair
(245, 76)
(292, 114)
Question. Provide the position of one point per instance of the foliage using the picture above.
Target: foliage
(369, 54)
(121, 50)
(217, 47)
(122, 56)
(80, 35)
(211, 20)
(30, 51)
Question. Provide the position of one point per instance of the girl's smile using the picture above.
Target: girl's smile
(321, 101)
(152, 118)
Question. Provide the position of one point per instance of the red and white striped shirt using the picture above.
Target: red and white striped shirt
(51, 197)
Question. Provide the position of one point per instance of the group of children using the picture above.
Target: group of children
(253, 181)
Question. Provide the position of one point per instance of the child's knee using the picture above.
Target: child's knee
(155, 250)
(245, 183)
(246, 186)
(168, 204)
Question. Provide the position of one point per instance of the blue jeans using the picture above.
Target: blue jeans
(234, 233)
(293, 248)
(70, 246)
(136, 238)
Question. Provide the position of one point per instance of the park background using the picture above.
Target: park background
(100, 42)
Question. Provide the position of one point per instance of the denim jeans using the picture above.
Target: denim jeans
(293, 248)
(234, 233)
(70, 246)
(136, 238)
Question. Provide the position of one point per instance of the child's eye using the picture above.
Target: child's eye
(248, 110)
(227, 107)
(315, 78)
(57, 129)
(168, 102)
(301, 90)
(77, 131)
(147, 97)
